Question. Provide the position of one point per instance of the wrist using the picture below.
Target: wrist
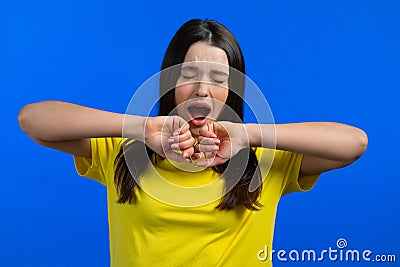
(253, 134)
(135, 127)
(261, 135)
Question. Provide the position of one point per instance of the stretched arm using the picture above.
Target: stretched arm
(325, 145)
(60, 121)
(68, 127)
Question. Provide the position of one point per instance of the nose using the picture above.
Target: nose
(202, 90)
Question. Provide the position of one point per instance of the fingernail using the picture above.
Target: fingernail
(175, 146)
(217, 141)
(185, 155)
(213, 135)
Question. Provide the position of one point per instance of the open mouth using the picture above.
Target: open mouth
(198, 113)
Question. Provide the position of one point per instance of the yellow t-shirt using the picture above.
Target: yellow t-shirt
(155, 232)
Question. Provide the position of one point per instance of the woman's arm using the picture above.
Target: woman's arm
(325, 145)
(60, 121)
(68, 127)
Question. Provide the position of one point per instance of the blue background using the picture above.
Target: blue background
(314, 60)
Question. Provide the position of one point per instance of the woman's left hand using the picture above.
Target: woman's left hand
(232, 138)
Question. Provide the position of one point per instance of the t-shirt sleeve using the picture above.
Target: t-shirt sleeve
(101, 164)
(293, 183)
(286, 167)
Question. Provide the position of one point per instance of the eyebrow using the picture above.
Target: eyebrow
(214, 72)
(218, 72)
(189, 68)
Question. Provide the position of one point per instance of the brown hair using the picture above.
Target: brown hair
(216, 35)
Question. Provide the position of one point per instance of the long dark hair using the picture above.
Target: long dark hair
(215, 34)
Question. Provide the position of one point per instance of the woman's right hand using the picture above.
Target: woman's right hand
(161, 128)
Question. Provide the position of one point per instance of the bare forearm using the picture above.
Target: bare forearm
(327, 140)
(59, 121)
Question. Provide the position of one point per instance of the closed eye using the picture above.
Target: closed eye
(219, 81)
(188, 77)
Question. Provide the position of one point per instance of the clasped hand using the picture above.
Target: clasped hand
(217, 142)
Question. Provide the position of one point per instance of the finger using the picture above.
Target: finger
(203, 155)
(183, 145)
(208, 141)
(187, 153)
(178, 122)
(206, 147)
(181, 134)
(182, 128)
(197, 156)
(206, 131)
(179, 138)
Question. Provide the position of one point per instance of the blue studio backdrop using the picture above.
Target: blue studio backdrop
(313, 60)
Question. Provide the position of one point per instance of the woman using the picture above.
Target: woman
(229, 230)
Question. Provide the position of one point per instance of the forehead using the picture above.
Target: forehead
(206, 58)
(202, 51)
